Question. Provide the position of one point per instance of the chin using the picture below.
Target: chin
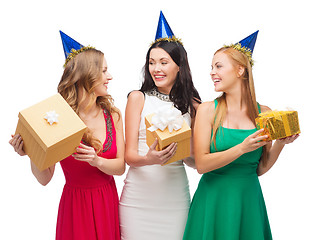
(218, 90)
(160, 84)
(102, 94)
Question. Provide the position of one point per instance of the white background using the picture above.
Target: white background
(31, 66)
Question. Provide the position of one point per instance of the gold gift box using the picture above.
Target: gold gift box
(278, 124)
(182, 137)
(46, 143)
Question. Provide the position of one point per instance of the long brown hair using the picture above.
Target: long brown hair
(84, 72)
(248, 91)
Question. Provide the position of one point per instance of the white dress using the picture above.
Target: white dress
(155, 199)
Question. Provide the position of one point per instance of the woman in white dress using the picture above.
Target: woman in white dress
(155, 199)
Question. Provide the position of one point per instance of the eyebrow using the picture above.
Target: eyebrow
(163, 58)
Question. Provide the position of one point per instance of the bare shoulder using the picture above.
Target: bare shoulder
(206, 109)
(136, 96)
(264, 108)
(135, 104)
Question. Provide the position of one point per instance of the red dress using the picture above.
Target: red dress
(88, 208)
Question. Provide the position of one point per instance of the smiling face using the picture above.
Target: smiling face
(225, 75)
(102, 85)
(162, 69)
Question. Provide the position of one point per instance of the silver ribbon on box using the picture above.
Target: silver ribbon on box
(166, 116)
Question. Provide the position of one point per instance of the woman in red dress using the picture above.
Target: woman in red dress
(88, 207)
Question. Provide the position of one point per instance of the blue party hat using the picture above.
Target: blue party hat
(250, 41)
(164, 32)
(71, 47)
(69, 43)
(163, 29)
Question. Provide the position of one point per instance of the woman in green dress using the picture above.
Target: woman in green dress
(230, 153)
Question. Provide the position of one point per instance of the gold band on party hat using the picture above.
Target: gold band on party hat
(244, 50)
(168, 39)
(74, 53)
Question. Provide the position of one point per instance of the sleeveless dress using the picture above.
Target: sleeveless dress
(228, 203)
(155, 199)
(88, 207)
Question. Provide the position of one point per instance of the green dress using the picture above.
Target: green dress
(228, 203)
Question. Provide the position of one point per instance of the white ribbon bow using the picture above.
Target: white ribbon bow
(166, 116)
(51, 117)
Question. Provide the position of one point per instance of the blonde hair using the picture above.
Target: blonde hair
(248, 91)
(84, 72)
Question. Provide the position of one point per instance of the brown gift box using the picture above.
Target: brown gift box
(165, 138)
(45, 143)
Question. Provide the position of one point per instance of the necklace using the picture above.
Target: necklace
(161, 96)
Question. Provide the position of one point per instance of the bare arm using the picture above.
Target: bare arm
(115, 166)
(43, 177)
(134, 107)
(204, 159)
(189, 161)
